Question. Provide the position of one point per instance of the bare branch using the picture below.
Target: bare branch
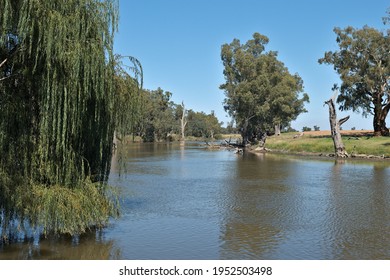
(343, 120)
(3, 62)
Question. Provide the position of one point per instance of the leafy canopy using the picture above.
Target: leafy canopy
(363, 63)
(61, 98)
(260, 92)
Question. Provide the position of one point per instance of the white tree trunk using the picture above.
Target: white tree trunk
(277, 129)
(183, 123)
(339, 148)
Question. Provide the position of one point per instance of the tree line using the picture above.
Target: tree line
(159, 119)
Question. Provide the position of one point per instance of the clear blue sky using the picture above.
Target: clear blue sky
(178, 43)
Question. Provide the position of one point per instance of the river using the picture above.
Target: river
(193, 203)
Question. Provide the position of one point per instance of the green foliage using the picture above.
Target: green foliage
(55, 209)
(158, 116)
(203, 125)
(128, 95)
(363, 63)
(289, 129)
(63, 73)
(58, 209)
(306, 128)
(160, 119)
(63, 93)
(260, 91)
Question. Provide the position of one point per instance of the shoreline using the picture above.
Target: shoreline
(360, 145)
(316, 155)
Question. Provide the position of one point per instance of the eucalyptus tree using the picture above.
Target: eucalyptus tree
(196, 126)
(213, 125)
(260, 92)
(363, 63)
(59, 110)
(157, 121)
(204, 125)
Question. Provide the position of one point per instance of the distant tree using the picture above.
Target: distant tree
(316, 128)
(196, 126)
(158, 115)
(363, 63)
(204, 125)
(213, 125)
(260, 92)
(289, 129)
(230, 128)
(353, 128)
(306, 128)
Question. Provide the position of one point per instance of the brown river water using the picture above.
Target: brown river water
(193, 203)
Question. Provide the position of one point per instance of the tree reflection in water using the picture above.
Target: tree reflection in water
(88, 246)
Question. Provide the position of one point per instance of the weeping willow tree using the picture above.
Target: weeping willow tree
(128, 98)
(59, 103)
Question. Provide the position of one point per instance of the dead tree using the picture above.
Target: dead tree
(339, 148)
(183, 123)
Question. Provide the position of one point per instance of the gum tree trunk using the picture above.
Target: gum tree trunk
(339, 148)
(277, 129)
(262, 139)
(183, 123)
(379, 122)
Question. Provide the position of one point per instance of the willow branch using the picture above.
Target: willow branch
(3, 62)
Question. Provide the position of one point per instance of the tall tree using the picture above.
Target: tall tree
(59, 111)
(363, 63)
(260, 92)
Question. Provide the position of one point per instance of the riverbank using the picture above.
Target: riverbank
(358, 143)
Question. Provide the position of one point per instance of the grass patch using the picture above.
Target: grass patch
(286, 142)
